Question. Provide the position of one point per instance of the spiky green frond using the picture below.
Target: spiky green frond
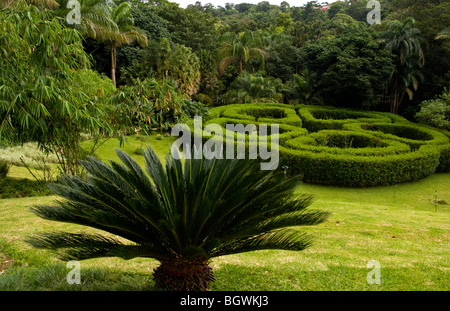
(70, 246)
(199, 207)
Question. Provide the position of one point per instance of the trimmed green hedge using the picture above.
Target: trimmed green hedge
(345, 147)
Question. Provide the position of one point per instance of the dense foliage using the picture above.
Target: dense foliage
(345, 147)
(351, 64)
(41, 92)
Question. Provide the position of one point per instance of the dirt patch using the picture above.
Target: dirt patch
(5, 263)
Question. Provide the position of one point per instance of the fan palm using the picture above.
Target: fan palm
(182, 215)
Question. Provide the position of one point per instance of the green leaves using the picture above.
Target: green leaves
(189, 208)
(41, 96)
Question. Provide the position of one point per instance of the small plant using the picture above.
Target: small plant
(182, 214)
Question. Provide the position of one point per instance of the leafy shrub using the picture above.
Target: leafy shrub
(362, 171)
(346, 147)
(192, 109)
(251, 88)
(145, 105)
(436, 112)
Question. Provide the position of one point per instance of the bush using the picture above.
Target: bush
(346, 147)
(436, 112)
(363, 171)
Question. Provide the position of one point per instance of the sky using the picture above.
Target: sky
(185, 3)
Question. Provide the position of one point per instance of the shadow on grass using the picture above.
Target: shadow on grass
(22, 187)
(53, 277)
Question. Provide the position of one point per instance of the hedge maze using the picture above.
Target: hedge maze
(345, 147)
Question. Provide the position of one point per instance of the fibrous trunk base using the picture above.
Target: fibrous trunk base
(184, 275)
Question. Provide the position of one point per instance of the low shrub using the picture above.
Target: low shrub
(317, 118)
(362, 171)
(345, 147)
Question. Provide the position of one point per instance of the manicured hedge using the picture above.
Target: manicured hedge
(345, 147)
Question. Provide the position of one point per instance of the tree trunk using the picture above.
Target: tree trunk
(113, 65)
(184, 275)
(394, 98)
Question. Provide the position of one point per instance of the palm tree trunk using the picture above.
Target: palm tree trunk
(394, 98)
(113, 65)
(184, 275)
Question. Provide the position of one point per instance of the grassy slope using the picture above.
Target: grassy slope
(396, 226)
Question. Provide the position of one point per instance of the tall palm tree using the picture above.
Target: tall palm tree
(182, 214)
(95, 19)
(126, 33)
(403, 40)
(240, 49)
(113, 26)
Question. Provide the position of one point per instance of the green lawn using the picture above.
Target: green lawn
(396, 226)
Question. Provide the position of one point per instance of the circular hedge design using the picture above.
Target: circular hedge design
(346, 147)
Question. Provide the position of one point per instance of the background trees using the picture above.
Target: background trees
(352, 69)
(251, 42)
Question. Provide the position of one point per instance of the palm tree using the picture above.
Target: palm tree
(240, 49)
(38, 3)
(95, 19)
(301, 88)
(254, 87)
(403, 40)
(113, 26)
(182, 214)
(127, 33)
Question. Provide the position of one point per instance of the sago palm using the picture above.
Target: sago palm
(182, 214)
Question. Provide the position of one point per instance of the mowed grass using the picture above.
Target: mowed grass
(396, 226)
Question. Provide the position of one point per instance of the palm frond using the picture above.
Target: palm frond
(283, 239)
(71, 246)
